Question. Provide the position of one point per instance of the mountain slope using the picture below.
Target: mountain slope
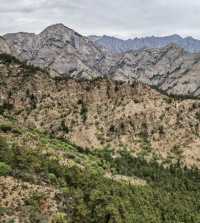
(45, 179)
(116, 45)
(149, 138)
(101, 113)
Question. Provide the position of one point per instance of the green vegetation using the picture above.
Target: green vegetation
(9, 60)
(198, 116)
(5, 106)
(60, 218)
(4, 169)
(32, 205)
(172, 194)
(83, 112)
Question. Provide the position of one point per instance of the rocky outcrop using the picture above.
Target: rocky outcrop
(117, 45)
(4, 48)
(170, 69)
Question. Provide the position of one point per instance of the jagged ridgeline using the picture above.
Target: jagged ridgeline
(117, 45)
(64, 52)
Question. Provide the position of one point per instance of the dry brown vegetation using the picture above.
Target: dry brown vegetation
(102, 113)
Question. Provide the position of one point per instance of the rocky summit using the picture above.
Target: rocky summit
(58, 49)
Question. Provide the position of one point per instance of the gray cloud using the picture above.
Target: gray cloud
(128, 18)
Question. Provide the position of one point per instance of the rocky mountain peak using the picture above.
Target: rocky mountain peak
(57, 26)
(59, 31)
(59, 49)
(176, 36)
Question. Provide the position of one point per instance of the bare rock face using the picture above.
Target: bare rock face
(4, 48)
(169, 69)
(59, 49)
(63, 52)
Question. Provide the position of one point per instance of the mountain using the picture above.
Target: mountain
(90, 151)
(58, 49)
(117, 45)
(169, 69)
(110, 149)
(65, 53)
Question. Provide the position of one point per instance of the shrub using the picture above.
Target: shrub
(5, 128)
(52, 178)
(8, 59)
(161, 130)
(4, 169)
(3, 210)
(5, 106)
(64, 127)
(60, 218)
(197, 115)
(83, 112)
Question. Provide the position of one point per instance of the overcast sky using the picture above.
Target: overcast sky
(122, 18)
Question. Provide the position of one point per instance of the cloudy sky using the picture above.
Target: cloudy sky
(122, 18)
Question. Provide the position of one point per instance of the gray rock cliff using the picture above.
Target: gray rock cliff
(64, 52)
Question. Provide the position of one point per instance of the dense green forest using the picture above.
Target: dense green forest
(171, 193)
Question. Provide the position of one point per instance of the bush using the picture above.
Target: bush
(197, 115)
(6, 153)
(60, 218)
(83, 112)
(5, 107)
(5, 128)
(4, 169)
(8, 59)
(52, 178)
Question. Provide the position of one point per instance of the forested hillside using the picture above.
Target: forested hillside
(46, 177)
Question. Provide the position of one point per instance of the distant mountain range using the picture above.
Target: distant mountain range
(65, 53)
(117, 45)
